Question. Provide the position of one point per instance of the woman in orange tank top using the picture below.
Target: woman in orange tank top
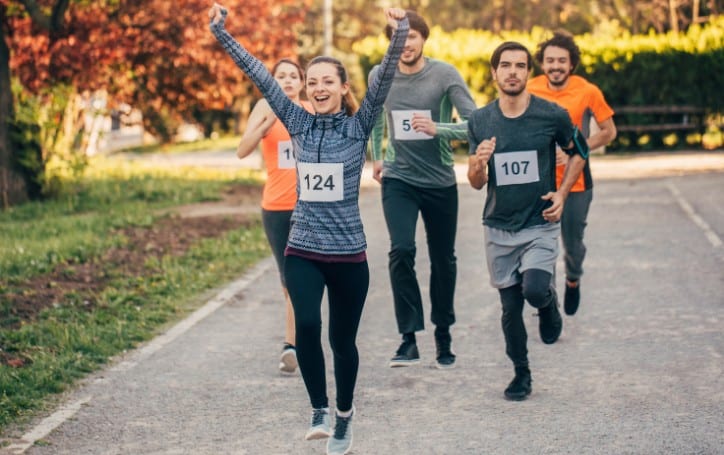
(280, 189)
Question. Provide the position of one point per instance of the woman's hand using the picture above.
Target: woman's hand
(216, 13)
(394, 15)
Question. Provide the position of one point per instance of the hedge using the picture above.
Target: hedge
(685, 68)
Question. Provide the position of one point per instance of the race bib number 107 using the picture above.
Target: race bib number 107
(321, 182)
(515, 168)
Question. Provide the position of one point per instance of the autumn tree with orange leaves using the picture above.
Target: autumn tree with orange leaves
(156, 55)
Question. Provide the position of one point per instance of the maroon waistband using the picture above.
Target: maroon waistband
(332, 258)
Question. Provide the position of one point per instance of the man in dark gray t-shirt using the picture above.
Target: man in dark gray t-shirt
(513, 149)
(418, 178)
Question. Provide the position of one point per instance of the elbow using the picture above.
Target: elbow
(612, 135)
(243, 152)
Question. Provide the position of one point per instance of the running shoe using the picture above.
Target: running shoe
(288, 359)
(550, 323)
(520, 387)
(319, 428)
(341, 441)
(407, 354)
(445, 355)
(571, 299)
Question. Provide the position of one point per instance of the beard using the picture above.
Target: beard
(412, 62)
(513, 91)
(558, 83)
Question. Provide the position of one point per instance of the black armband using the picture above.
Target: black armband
(580, 145)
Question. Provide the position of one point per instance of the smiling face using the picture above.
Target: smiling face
(325, 88)
(289, 79)
(412, 51)
(556, 65)
(512, 72)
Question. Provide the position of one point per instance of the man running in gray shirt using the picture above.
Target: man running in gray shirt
(417, 177)
(513, 150)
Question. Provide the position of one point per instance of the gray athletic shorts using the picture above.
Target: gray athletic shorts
(276, 227)
(511, 253)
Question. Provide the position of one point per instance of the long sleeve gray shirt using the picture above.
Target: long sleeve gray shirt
(417, 159)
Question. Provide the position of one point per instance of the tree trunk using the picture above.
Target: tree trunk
(12, 186)
(673, 16)
(695, 12)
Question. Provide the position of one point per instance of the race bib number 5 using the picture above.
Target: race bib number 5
(403, 125)
(515, 168)
(285, 158)
(321, 182)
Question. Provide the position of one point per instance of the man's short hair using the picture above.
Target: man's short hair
(509, 46)
(564, 40)
(417, 23)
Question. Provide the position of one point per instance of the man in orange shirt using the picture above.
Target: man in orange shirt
(558, 58)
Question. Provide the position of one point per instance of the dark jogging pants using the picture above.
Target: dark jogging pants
(402, 203)
(347, 285)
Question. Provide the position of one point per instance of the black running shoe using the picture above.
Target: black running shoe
(571, 299)
(520, 387)
(407, 354)
(550, 323)
(445, 355)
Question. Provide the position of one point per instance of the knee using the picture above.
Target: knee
(402, 253)
(536, 295)
(307, 326)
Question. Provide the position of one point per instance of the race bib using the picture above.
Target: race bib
(402, 121)
(321, 182)
(285, 157)
(515, 168)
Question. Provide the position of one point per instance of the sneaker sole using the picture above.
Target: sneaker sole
(516, 397)
(442, 366)
(570, 309)
(403, 363)
(317, 434)
(348, 450)
(288, 362)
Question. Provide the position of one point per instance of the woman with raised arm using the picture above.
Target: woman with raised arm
(326, 245)
(280, 189)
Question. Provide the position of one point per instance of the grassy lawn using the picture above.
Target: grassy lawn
(82, 278)
(227, 143)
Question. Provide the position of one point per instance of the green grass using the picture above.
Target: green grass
(223, 143)
(68, 340)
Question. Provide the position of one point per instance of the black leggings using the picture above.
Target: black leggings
(347, 285)
(538, 291)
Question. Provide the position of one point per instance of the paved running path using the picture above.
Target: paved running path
(637, 371)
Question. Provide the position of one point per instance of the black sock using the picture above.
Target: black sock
(409, 337)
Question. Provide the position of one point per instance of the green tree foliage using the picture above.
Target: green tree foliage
(671, 68)
(651, 69)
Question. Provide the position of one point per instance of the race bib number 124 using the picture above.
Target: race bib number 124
(322, 182)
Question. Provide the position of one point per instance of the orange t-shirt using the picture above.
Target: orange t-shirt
(280, 190)
(582, 100)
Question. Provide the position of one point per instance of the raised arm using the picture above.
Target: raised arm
(280, 103)
(379, 86)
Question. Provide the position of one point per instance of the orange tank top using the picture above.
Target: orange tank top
(280, 190)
